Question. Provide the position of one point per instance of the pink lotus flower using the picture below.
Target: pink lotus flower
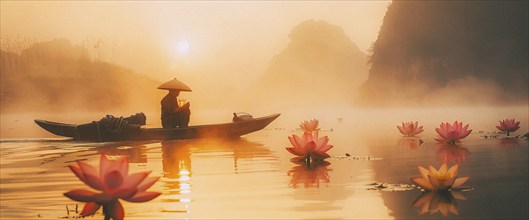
(442, 179)
(508, 125)
(452, 133)
(410, 129)
(309, 146)
(309, 126)
(114, 182)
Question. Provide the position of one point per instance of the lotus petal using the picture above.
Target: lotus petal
(322, 141)
(87, 169)
(443, 168)
(116, 211)
(295, 151)
(460, 181)
(80, 195)
(93, 181)
(104, 165)
(433, 171)
(446, 184)
(143, 196)
(298, 141)
(424, 172)
(319, 155)
(147, 183)
(125, 193)
(113, 179)
(135, 179)
(453, 170)
(78, 172)
(401, 129)
(89, 209)
(423, 183)
(103, 198)
(311, 146)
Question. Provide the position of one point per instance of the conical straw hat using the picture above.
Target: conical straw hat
(174, 84)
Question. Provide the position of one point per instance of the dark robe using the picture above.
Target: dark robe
(172, 115)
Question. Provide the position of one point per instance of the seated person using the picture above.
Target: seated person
(174, 115)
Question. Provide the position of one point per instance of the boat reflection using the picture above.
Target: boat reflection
(410, 142)
(238, 149)
(177, 165)
(136, 152)
(452, 153)
(310, 175)
(443, 202)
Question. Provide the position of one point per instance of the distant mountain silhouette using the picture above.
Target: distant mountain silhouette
(320, 65)
(450, 52)
(57, 76)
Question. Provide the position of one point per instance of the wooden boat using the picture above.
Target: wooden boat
(93, 132)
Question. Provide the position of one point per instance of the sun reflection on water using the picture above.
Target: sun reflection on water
(176, 162)
(252, 177)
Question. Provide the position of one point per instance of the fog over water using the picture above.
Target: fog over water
(226, 40)
(363, 123)
(74, 57)
(76, 62)
(257, 57)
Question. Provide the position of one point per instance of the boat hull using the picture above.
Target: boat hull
(93, 131)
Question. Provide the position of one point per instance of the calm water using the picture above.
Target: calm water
(252, 177)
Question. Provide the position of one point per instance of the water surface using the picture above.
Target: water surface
(253, 177)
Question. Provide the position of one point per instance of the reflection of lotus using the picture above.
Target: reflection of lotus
(410, 129)
(509, 142)
(309, 176)
(114, 181)
(411, 143)
(309, 126)
(508, 125)
(309, 146)
(452, 133)
(442, 179)
(439, 201)
(448, 153)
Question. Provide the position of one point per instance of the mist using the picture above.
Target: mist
(92, 56)
(227, 40)
(75, 62)
(450, 53)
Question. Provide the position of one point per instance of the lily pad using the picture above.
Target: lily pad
(390, 187)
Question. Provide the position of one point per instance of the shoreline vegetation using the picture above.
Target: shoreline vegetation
(60, 77)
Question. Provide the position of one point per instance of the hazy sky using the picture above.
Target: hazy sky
(208, 39)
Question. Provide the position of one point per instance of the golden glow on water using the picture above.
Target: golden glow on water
(253, 177)
(212, 179)
(221, 49)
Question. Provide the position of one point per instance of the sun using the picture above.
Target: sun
(182, 47)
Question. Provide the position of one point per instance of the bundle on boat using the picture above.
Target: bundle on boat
(110, 127)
